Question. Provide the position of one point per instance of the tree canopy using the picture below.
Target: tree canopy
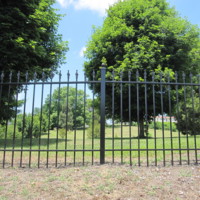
(29, 43)
(29, 38)
(142, 35)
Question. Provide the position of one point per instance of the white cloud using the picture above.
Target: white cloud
(81, 53)
(99, 6)
(65, 3)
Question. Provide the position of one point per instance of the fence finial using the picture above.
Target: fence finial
(2, 76)
(153, 76)
(35, 76)
(76, 74)
(10, 76)
(68, 75)
(18, 76)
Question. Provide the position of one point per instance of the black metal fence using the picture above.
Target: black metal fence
(137, 118)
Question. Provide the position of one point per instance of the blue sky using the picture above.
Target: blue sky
(81, 15)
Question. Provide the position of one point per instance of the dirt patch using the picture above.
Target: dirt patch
(107, 182)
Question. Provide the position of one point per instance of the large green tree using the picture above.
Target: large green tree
(29, 42)
(142, 35)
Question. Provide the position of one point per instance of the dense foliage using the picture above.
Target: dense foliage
(67, 108)
(188, 115)
(142, 35)
(29, 42)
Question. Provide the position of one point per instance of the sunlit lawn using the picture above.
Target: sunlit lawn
(118, 138)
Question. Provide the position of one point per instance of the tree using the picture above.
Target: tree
(187, 115)
(67, 108)
(29, 42)
(142, 35)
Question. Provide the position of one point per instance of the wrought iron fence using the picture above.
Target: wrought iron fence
(132, 117)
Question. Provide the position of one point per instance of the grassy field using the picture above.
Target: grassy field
(118, 138)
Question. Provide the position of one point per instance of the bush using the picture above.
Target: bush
(96, 133)
(10, 132)
(188, 117)
(32, 128)
(62, 133)
(158, 126)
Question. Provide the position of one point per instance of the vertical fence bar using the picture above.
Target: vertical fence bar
(162, 113)
(186, 116)
(177, 110)
(15, 120)
(41, 119)
(121, 115)
(146, 117)
(32, 119)
(170, 115)
(113, 118)
(154, 115)
(138, 116)
(2, 76)
(6, 130)
(102, 120)
(193, 118)
(84, 113)
(75, 122)
(24, 118)
(58, 118)
(93, 123)
(49, 120)
(129, 108)
(67, 117)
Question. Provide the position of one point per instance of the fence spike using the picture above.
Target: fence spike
(76, 75)
(59, 76)
(137, 75)
(68, 75)
(191, 75)
(113, 75)
(145, 74)
(10, 76)
(183, 76)
(43, 76)
(2, 76)
(35, 76)
(18, 76)
(51, 75)
(153, 76)
(26, 76)
(93, 74)
(176, 76)
(129, 75)
(168, 77)
(121, 75)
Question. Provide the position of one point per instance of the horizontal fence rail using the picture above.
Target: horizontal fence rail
(133, 117)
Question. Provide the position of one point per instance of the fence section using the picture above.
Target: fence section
(138, 118)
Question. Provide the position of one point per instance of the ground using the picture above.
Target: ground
(106, 182)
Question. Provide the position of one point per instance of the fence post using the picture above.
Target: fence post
(102, 121)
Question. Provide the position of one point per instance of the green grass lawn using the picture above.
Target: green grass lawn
(118, 138)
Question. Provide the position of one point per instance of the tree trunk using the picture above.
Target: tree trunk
(141, 129)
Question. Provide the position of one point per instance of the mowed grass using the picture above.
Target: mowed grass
(122, 146)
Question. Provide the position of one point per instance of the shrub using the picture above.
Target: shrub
(94, 131)
(62, 133)
(31, 127)
(188, 117)
(159, 125)
(10, 132)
